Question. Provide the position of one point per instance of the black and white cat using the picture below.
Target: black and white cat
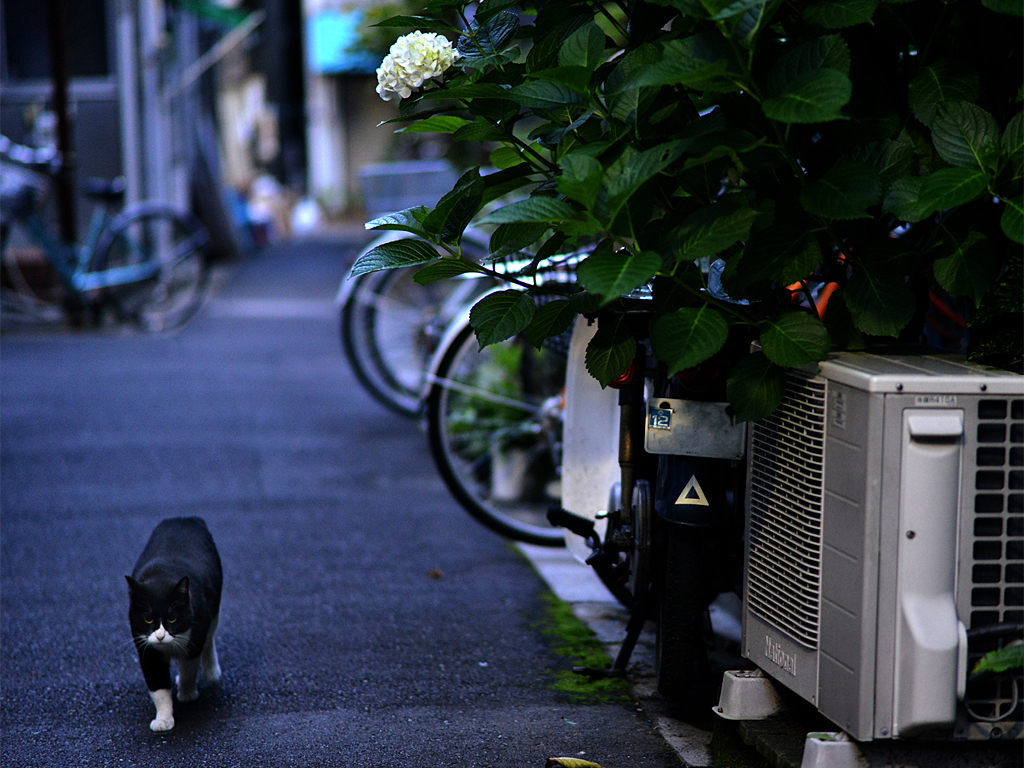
(175, 602)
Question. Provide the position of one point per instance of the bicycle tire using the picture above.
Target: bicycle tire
(390, 327)
(177, 242)
(680, 654)
(492, 408)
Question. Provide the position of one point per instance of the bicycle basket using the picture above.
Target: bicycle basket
(21, 192)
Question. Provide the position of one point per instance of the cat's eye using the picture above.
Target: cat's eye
(147, 619)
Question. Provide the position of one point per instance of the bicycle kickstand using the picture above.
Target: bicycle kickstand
(634, 627)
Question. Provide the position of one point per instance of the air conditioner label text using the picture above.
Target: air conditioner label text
(774, 653)
(935, 400)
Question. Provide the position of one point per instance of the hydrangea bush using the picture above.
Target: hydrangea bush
(744, 158)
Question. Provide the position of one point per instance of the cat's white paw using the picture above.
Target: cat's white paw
(161, 724)
(212, 676)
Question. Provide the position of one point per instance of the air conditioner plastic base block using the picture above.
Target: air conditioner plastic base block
(831, 750)
(747, 695)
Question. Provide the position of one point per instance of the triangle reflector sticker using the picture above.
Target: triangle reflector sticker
(693, 494)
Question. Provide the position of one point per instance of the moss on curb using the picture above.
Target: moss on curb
(573, 640)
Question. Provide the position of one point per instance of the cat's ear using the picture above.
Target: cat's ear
(181, 590)
(133, 586)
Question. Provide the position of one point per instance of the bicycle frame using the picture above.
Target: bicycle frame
(71, 261)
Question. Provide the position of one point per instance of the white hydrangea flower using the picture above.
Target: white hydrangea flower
(413, 59)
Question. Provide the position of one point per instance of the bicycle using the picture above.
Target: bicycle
(390, 326)
(494, 421)
(147, 264)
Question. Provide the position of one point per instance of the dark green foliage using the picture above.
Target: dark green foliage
(877, 145)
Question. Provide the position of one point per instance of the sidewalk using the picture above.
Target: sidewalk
(578, 585)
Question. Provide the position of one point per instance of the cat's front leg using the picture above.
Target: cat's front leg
(156, 670)
(211, 665)
(164, 703)
(188, 673)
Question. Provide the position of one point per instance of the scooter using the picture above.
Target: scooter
(651, 499)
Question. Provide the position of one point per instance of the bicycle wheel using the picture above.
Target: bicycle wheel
(494, 422)
(175, 242)
(390, 328)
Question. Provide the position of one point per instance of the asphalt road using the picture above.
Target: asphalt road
(367, 621)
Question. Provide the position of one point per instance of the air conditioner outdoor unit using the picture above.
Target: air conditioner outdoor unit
(885, 523)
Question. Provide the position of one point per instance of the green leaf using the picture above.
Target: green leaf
(783, 253)
(968, 266)
(1013, 138)
(891, 158)
(846, 191)
(444, 269)
(625, 98)
(712, 229)
(505, 157)
(795, 339)
(574, 78)
(632, 170)
(408, 220)
(755, 387)
(468, 91)
(828, 52)
(584, 48)
(552, 319)
(544, 94)
(904, 200)
(612, 274)
(944, 82)
(879, 300)
(397, 253)
(611, 350)
(1001, 659)
(1012, 220)
(1009, 7)
(700, 62)
(501, 315)
(436, 124)
(581, 177)
(511, 238)
(534, 210)
(734, 8)
(479, 130)
(457, 208)
(490, 8)
(815, 97)
(966, 136)
(489, 38)
(951, 187)
(837, 14)
(688, 336)
(417, 22)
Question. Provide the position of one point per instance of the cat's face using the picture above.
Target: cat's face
(160, 617)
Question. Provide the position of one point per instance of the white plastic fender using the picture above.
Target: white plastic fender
(590, 440)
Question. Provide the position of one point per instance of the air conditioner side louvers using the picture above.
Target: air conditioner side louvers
(784, 577)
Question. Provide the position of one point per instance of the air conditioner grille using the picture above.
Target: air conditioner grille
(786, 482)
(996, 567)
